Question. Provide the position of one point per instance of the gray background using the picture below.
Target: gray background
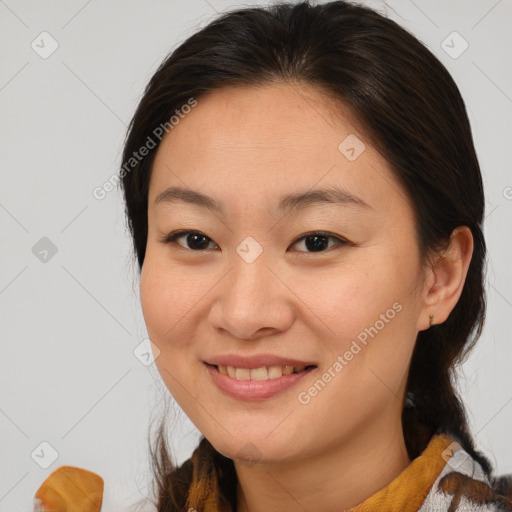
(71, 320)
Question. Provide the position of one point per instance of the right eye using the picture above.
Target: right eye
(194, 240)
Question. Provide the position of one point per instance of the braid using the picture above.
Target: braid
(206, 482)
(205, 493)
(433, 406)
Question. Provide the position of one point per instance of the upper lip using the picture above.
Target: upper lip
(256, 361)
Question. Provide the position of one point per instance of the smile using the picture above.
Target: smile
(262, 373)
(259, 383)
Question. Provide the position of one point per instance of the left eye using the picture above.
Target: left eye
(316, 241)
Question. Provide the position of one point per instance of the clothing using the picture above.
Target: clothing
(444, 478)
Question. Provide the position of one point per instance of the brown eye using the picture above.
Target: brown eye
(318, 241)
(194, 240)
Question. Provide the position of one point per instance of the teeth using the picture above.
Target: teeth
(287, 370)
(243, 374)
(275, 372)
(262, 373)
(259, 373)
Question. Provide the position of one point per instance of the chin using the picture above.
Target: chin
(253, 449)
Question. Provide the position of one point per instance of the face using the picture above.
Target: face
(329, 284)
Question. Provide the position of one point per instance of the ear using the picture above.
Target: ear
(445, 278)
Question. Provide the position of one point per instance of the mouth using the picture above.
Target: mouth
(270, 372)
(259, 383)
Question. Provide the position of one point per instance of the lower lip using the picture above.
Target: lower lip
(255, 389)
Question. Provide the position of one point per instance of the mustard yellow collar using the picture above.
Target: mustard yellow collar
(409, 489)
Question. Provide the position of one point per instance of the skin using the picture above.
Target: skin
(247, 147)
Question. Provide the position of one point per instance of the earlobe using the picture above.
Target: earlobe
(447, 275)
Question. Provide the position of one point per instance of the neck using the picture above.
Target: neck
(337, 479)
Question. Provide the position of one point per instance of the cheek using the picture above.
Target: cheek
(366, 311)
(156, 297)
(164, 302)
(345, 299)
(167, 295)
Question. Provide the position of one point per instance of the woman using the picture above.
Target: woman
(306, 205)
(342, 218)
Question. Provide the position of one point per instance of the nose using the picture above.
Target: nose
(253, 301)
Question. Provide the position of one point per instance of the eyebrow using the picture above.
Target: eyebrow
(297, 200)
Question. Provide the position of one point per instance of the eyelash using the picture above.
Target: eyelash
(171, 238)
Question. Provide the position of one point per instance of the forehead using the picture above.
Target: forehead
(248, 142)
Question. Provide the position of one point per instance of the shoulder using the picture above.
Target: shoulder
(463, 486)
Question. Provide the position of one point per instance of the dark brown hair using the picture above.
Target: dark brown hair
(412, 112)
